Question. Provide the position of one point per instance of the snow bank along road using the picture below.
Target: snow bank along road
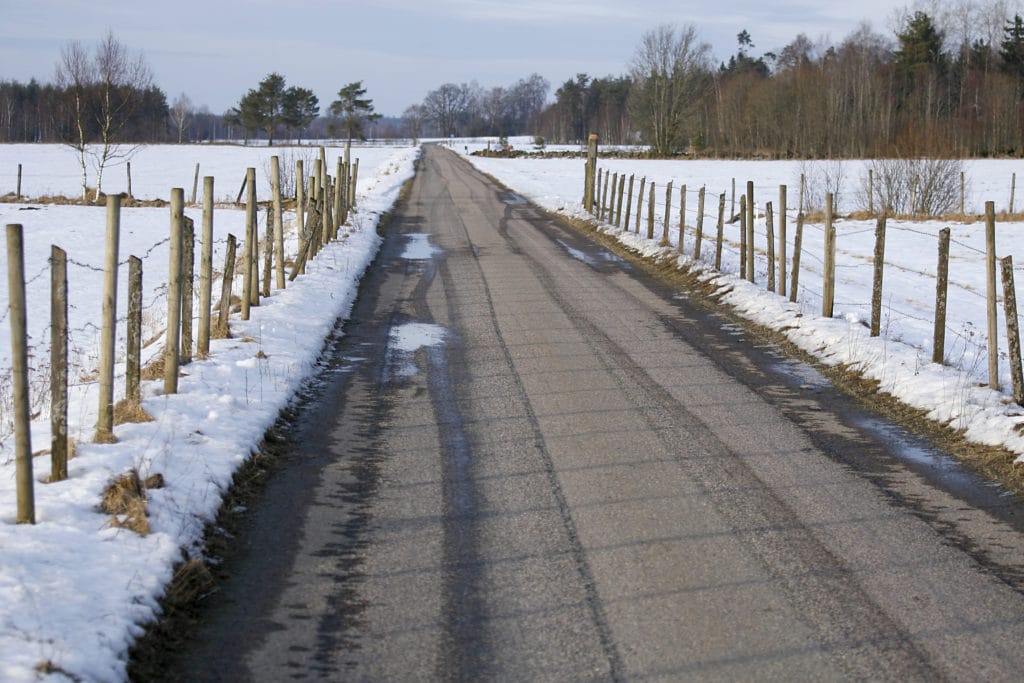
(531, 461)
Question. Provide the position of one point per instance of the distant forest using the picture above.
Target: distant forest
(947, 83)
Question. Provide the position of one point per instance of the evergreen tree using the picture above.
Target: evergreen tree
(354, 109)
(1012, 47)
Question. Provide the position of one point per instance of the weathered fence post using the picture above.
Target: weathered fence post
(871, 191)
(105, 421)
(58, 364)
(990, 279)
(639, 203)
(195, 184)
(1013, 190)
(188, 267)
(879, 271)
(339, 185)
(591, 168)
(1012, 329)
(206, 270)
(597, 190)
(721, 232)
(829, 293)
(770, 232)
(224, 307)
(782, 240)
(629, 204)
(941, 287)
(247, 243)
(650, 213)
(18, 187)
(133, 350)
(750, 230)
(268, 251)
(128, 171)
(963, 213)
(743, 236)
(699, 233)
(19, 375)
(172, 345)
(300, 204)
(798, 240)
(682, 218)
(619, 205)
(800, 200)
(352, 185)
(668, 216)
(732, 208)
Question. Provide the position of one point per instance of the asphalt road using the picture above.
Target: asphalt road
(583, 475)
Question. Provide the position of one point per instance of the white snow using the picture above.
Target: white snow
(74, 591)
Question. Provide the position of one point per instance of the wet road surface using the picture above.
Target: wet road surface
(524, 460)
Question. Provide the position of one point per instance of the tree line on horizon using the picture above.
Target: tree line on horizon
(950, 82)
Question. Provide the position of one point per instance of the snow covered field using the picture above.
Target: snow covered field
(900, 359)
(73, 589)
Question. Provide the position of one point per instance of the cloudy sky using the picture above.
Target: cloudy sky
(215, 50)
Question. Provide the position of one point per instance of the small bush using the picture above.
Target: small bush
(927, 187)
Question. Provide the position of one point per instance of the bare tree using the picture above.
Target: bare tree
(182, 112)
(106, 90)
(671, 73)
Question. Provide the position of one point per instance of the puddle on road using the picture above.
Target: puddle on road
(513, 199)
(403, 343)
(418, 247)
(601, 258)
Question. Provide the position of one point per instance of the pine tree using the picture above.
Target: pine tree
(1012, 48)
(354, 109)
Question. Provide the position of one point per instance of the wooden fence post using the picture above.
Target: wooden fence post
(629, 203)
(1012, 329)
(172, 345)
(829, 293)
(650, 213)
(352, 185)
(105, 422)
(941, 287)
(879, 271)
(963, 214)
(721, 232)
(128, 172)
(732, 209)
(682, 218)
(24, 482)
(698, 235)
(770, 233)
(639, 203)
(18, 188)
(990, 278)
(268, 251)
(800, 201)
(339, 185)
(618, 206)
(798, 240)
(597, 204)
(195, 184)
(782, 240)
(188, 266)
(1013, 190)
(591, 169)
(750, 230)
(133, 350)
(250, 236)
(871, 191)
(58, 364)
(668, 216)
(206, 271)
(224, 307)
(743, 236)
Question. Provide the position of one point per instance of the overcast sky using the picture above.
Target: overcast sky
(215, 50)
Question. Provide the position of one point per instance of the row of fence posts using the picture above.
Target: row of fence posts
(603, 198)
(322, 207)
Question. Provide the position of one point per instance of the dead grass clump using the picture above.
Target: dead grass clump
(192, 581)
(126, 411)
(125, 501)
(154, 369)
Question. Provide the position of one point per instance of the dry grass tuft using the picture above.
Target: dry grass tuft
(125, 501)
(192, 580)
(126, 411)
(154, 369)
